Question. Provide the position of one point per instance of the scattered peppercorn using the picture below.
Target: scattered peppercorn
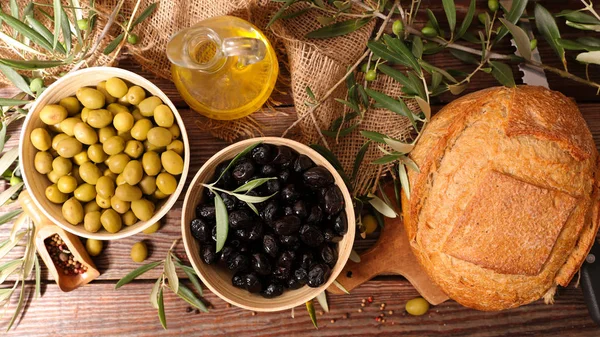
(333, 321)
(360, 310)
(362, 304)
(370, 299)
(320, 313)
(228, 305)
(189, 309)
(345, 316)
(253, 313)
(390, 312)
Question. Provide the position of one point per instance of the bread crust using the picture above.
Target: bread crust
(525, 145)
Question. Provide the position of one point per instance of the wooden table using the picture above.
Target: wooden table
(97, 309)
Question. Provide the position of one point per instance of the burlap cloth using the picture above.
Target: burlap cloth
(313, 63)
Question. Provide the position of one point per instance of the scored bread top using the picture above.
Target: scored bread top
(505, 206)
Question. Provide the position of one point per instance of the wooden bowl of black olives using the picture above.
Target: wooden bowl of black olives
(268, 224)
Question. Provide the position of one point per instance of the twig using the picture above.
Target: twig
(590, 8)
(126, 31)
(563, 73)
(377, 13)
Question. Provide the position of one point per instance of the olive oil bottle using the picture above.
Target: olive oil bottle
(224, 67)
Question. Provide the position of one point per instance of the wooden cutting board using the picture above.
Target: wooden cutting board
(390, 255)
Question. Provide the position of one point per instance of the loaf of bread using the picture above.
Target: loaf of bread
(505, 206)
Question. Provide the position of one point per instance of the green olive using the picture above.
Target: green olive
(90, 98)
(417, 306)
(148, 105)
(116, 87)
(53, 177)
(43, 162)
(111, 221)
(85, 112)
(69, 147)
(85, 193)
(151, 163)
(163, 116)
(160, 137)
(62, 166)
(85, 134)
(143, 209)
(140, 129)
(110, 174)
(99, 118)
(81, 158)
(67, 184)
(152, 229)
(174, 129)
(127, 192)
(72, 211)
(54, 128)
(134, 148)
(119, 205)
(113, 145)
(91, 206)
(105, 133)
(139, 252)
(120, 180)
(148, 185)
(90, 173)
(176, 146)
(53, 114)
(123, 101)
(68, 124)
(116, 108)
(129, 218)
(149, 147)
(123, 121)
(133, 172)
(137, 115)
(117, 162)
(159, 195)
(55, 195)
(91, 223)
(125, 135)
(96, 153)
(105, 187)
(166, 183)
(172, 162)
(107, 97)
(71, 104)
(57, 140)
(40, 138)
(103, 202)
(94, 247)
(135, 95)
(75, 174)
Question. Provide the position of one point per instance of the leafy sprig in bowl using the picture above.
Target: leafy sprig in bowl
(218, 278)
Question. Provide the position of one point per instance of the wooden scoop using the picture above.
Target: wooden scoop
(44, 228)
(390, 255)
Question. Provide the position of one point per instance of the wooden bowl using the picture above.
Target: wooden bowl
(218, 279)
(36, 183)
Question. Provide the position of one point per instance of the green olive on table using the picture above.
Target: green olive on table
(91, 206)
(174, 129)
(123, 121)
(139, 252)
(152, 229)
(40, 139)
(90, 98)
(56, 139)
(176, 146)
(68, 125)
(111, 221)
(417, 306)
(91, 222)
(103, 202)
(72, 211)
(94, 247)
(81, 158)
(148, 185)
(53, 177)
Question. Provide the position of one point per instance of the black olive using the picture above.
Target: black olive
(252, 283)
(201, 230)
(262, 154)
(256, 232)
(243, 170)
(288, 210)
(290, 241)
(237, 244)
(272, 290)
(209, 194)
(238, 262)
(240, 219)
(302, 163)
(273, 186)
(292, 283)
(287, 225)
(229, 201)
(290, 194)
(317, 177)
(329, 255)
(268, 171)
(340, 225)
(270, 245)
(300, 210)
(243, 234)
(226, 253)
(226, 178)
(331, 236)
(286, 259)
(301, 275)
(318, 275)
(207, 252)
(316, 215)
(306, 260)
(284, 156)
(205, 211)
(333, 200)
(284, 176)
(214, 233)
(271, 211)
(311, 236)
(261, 264)
(281, 273)
(238, 281)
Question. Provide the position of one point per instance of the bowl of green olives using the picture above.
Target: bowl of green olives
(268, 224)
(104, 153)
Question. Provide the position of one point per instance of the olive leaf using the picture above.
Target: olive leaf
(407, 85)
(113, 44)
(234, 160)
(464, 26)
(380, 206)
(464, 56)
(399, 146)
(16, 79)
(77, 15)
(398, 46)
(154, 293)
(9, 268)
(12, 102)
(354, 257)
(338, 28)
(252, 207)
(66, 29)
(589, 57)
(450, 10)
(280, 12)
(187, 295)
(14, 9)
(10, 244)
(404, 179)
(589, 41)
(252, 184)
(251, 198)
(575, 45)
(144, 15)
(546, 24)
(352, 106)
(360, 156)
(386, 159)
(57, 22)
(513, 15)
(374, 136)
(26, 31)
(161, 309)
(433, 20)
(396, 106)
(381, 50)
(341, 287)
(322, 299)
(410, 163)
(17, 44)
(6, 194)
(311, 312)
(581, 26)
(520, 37)
(457, 89)
(222, 222)
(31, 64)
(340, 133)
(424, 106)
(19, 305)
(169, 269)
(193, 278)
(433, 69)
(136, 272)
(503, 73)
(578, 17)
